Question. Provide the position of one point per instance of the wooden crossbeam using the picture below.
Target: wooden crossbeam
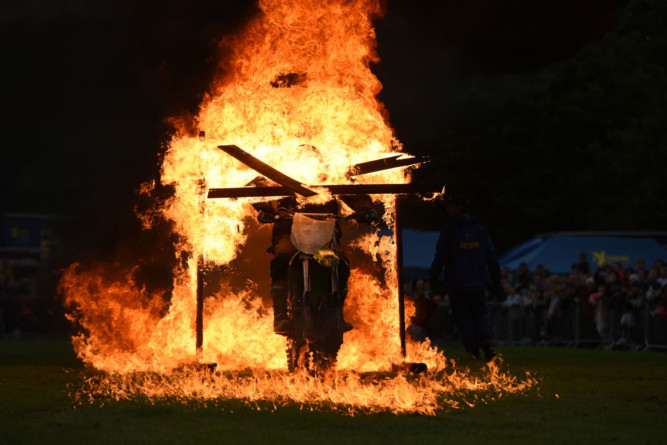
(268, 171)
(383, 164)
(345, 189)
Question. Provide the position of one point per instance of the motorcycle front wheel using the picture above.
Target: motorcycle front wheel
(298, 354)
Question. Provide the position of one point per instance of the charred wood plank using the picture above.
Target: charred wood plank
(398, 239)
(199, 319)
(383, 164)
(345, 189)
(265, 169)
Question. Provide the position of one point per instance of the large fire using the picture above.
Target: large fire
(298, 93)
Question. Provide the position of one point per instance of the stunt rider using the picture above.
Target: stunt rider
(280, 213)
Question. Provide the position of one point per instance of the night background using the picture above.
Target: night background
(548, 116)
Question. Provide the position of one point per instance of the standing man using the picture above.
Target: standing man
(469, 258)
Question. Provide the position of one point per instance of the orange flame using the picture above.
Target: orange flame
(299, 94)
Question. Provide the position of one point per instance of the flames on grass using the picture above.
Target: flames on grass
(297, 93)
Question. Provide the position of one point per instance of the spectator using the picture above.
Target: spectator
(424, 307)
(553, 294)
(588, 289)
(627, 325)
(577, 278)
(530, 299)
(641, 265)
(513, 297)
(599, 301)
(583, 265)
(641, 278)
(662, 279)
(469, 259)
(659, 315)
(538, 286)
(618, 268)
(541, 271)
(6, 275)
(507, 275)
(582, 297)
(613, 291)
(635, 293)
(652, 284)
(600, 272)
(661, 307)
(523, 277)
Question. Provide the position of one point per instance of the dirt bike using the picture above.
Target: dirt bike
(317, 288)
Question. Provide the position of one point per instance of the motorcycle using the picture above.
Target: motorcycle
(317, 288)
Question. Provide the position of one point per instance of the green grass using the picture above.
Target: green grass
(603, 397)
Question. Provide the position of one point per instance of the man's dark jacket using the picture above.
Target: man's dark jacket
(467, 253)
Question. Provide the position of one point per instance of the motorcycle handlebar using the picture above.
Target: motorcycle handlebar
(360, 217)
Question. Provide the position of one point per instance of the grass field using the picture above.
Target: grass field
(602, 397)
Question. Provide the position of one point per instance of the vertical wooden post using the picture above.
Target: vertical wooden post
(398, 238)
(199, 322)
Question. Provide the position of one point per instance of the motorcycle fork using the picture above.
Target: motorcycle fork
(309, 322)
(334, 273)
(305, 261)
(334, 282)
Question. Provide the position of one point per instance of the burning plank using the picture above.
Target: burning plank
(265, 169)
(291, 186)
(344, 189)
(378, 165)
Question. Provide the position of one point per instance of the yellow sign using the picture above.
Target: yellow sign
(601, 257)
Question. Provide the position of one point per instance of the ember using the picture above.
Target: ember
(298, 94)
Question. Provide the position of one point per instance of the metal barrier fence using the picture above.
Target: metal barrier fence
(572, 324)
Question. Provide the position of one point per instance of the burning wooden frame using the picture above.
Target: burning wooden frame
(291, 187)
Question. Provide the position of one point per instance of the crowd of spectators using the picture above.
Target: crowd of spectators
(606, 304)
(17, 300)
(610, 299)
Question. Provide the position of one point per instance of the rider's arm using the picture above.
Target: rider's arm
(358, 203)
(273, 211)
(265, 206)
(363, 204)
